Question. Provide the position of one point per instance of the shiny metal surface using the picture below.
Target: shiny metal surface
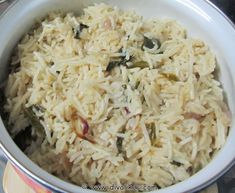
(3, 162)
(2, 1)
(4, 4)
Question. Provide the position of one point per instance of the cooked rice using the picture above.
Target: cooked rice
(156, 125)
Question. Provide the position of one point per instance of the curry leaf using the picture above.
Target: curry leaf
(79, 30)
(119, 144)
(152, 132)
(150, 43)
(35, 121)
(119, 62)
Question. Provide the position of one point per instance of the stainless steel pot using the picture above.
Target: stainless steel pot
(199, 16)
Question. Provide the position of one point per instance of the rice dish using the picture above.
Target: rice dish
(109, 98)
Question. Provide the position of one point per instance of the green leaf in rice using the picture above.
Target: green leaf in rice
(34, 120)
(150, 43)
(119, 144)
(79, 30)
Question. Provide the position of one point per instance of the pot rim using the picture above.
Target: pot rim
(56, 187)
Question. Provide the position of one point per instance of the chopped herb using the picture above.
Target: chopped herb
(124, 60)
(112, 65)
(152, 132)
(35, 121)
(79, 30)
(137, 84)
(119, 144)
(121, 61)
(150, 43)
(83, 26)
(140, 64)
